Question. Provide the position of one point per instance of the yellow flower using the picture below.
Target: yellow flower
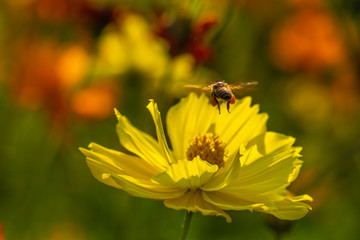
(217, 162)
(131, 45)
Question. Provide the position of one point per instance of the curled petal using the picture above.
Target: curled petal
(146, 189)
(193, 201)
(152, 107)
(187, 174)
(102, 161)
(291, 208)
(229, 201)
(140, 143)
(98, 170)
(286, 208)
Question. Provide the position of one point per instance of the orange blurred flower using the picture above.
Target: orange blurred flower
(95, 102)
(310, 40)
(52, 10)
(35, 83)
(344, 91)
(48, 10)
(71, 65)
(68, 231)
(46, 76)
(2, 232)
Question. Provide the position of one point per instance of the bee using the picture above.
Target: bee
(221, 91)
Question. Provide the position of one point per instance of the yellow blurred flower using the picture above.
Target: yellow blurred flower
(218, 162)
(112, 51)
(131, 45)
(308, 102)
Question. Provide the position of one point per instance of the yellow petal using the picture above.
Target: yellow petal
(241, 125)
(146, 189)
(121, 162)
(286, 208)
(291, 208)
(187, 174)
(152, 107)
(260, 174)
(193, 201)
(190, 117)
(249, 155)
(98, 170)
(271, 141)
(102, 161)
(224, 176)
(140, 143)
(232, 201)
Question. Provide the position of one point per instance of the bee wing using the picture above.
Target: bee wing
(197, 87)
(243, 88)
(243, 85)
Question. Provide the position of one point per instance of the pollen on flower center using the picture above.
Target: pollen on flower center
(208, 148)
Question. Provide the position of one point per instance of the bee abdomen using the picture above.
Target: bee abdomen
(223, 94)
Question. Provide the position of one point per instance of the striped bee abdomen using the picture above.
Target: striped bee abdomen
(224, 94)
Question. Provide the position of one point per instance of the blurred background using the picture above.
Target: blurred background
(65, 65)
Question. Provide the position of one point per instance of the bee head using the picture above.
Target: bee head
(218, 84)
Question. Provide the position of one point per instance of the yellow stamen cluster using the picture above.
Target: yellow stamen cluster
(209, 148)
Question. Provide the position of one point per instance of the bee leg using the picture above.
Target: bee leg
(232, 101)
(228, 106)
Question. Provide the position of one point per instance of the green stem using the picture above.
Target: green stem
(185, 226)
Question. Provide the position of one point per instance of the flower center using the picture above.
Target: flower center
(208, 148)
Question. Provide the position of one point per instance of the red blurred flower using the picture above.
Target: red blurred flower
(187, 35)
(198, 45)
